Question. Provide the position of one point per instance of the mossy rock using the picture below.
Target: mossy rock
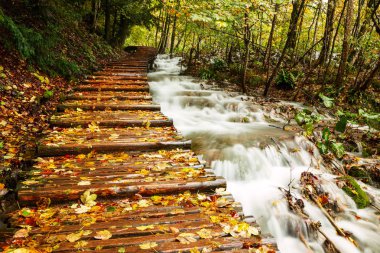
(360, 174)
(353, 189)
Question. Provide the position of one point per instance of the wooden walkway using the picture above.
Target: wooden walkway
(114, 175)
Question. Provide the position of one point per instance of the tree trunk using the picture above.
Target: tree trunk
(268, 49)
(114, 25)
(94, 14)
(328, 32)
(123, 32)
(157, 28)
(330, 55)
(164, 35)
(298, 6)
(345, 45)
(367, 82)
(247, 39)
(172, 41)
(107, 20)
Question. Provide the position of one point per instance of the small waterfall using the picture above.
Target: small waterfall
(260, 163)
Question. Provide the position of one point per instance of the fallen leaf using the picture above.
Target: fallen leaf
(73, 237)
(143, 228)
(148, 245)
(81, 244)
(205, 233)
(103, 235)
(82, 209)
(88, 199)
(21, 233)
(84, 183)
(186, 238)
(177, 211)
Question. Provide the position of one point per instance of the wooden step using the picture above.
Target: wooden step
(135, 88)
(78, 140)
(149, 193)
(30, 194)
(162, 220)
(125, 81)
(99, 97)
(108, 106)
(44, 150)
(99, 116)
(96, 95)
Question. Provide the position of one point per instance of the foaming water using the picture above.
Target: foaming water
(261, 162)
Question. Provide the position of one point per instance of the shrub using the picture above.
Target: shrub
(287, 80)
(218, 64)
(206, 73)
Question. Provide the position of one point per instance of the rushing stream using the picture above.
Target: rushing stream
(259, 162)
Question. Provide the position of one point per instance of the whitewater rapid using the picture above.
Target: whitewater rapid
(259, 162)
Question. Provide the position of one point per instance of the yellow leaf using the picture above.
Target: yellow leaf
(143, 228)
(103, 235)
(205, 233)
(73, 237)
(81, 244)
(22, 233)
(143, 203)
(84, 182)
(186, 238)
(148, 245)
(177, 211)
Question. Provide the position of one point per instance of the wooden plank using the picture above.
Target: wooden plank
(110, 123)
(166, 244)
(111, 88)
(145, 189)
(69, 149)
(99, 97)
(112, 107)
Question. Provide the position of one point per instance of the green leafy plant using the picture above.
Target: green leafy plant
(341, 124)
(306, 120)
(2, 74)
(287, 80)
(218, 64)
(206, 73)
(327, 144)
(328, 102)
(353, 189)
(48, 94)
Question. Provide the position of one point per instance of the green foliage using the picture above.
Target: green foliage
(48, 94)
(327, 144)
(287, 80)
(16, 31)
(218, 64)
(328, 102)
(2, 74)
(338, 149)
(371, 119)
(341, 124)
(206, 73)
(306, 120)
(1, 145)
(353, 189)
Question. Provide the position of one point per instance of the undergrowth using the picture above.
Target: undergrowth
(53, 41)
